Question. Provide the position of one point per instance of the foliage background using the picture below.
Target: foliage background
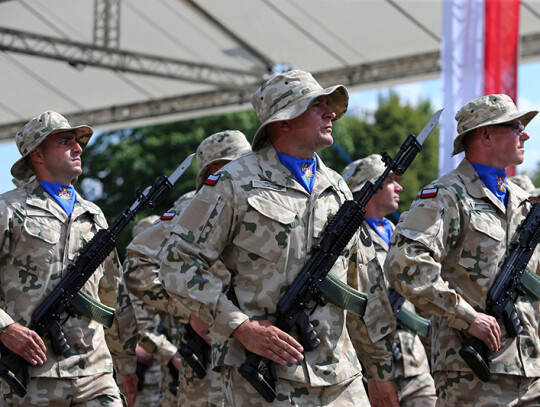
(118, 163)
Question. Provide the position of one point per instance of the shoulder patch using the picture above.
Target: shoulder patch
(212, 179)
(168, 215)
(429, 193)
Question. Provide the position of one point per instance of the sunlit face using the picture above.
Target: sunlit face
(507, 144)
(386, 200)
(60, 158)
(312, 130)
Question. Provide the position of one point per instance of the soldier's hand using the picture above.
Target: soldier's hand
(129, 383)
(265, 339)
(200, 327)
(383, 394)
(25, 343)
(487, 329)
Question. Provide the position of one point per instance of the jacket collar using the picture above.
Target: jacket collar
(278, 174)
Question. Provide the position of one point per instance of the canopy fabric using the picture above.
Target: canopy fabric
(122, 63)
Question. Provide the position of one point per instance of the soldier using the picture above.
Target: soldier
(447, 251)
(45, 223)
(413, 378)
(525, 183)
(260, 215)
(141, 266)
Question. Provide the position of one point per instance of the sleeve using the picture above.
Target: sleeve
(420, 245)
(196, 242)
(141, 272)
(372, 335)
(121, 338)
(149, 338)
(5, 216)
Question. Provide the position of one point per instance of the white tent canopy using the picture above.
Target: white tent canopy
(121, 63)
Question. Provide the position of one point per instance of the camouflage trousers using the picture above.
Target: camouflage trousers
(239, 393)
(196, 392)
(91, 391)
(465, 389)
(416, 391)
(168, 386)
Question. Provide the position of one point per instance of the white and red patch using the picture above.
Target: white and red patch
(429, 193)
(168, 215)
(212, 179)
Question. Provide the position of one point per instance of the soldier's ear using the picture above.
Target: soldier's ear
(36, 155)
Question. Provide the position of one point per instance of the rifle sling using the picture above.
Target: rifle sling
(343, 295)
(531, 282)
(91, 308)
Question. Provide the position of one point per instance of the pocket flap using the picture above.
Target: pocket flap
(272, 210)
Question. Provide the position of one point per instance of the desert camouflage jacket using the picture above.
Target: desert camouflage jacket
(414, 358)
(38, 241)
(446, 253)
(150, 300)
(257, 219)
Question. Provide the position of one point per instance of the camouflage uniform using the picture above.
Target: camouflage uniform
(38, 242)
(446, 252)
(141, 270)
(37, 231)
(275, 223)
(413, 378)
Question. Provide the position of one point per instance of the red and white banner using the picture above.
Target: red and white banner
(479, 54)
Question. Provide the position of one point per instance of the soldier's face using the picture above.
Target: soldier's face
(508, 146)
(386, 200)
(60, 159)
(313, 128)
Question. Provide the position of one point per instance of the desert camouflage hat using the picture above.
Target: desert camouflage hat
(487, 111)
(525, 183)
(288, 95)
(36, 131)
(226, 145)
(357, 173)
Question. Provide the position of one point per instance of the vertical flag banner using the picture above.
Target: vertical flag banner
(479, 56)
(462, 70)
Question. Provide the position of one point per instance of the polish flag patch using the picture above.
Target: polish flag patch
(429, 193)
(168, 215)
(212, 179)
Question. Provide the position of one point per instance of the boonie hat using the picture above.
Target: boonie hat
(36, 131)
(288, 95)
(225, 145)
(357, 173)
(487, 111)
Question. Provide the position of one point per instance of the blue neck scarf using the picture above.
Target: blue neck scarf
(383, 227)
(303, 170)
(64, 195)
(494, 179)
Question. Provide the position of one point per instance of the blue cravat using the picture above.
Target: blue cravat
(383, 227)
(303, 170)
(494, 179)
(64, 195)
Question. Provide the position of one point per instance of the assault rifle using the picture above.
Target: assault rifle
(291, 308)
(504, 293)
(47, 318)
(195, 351)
